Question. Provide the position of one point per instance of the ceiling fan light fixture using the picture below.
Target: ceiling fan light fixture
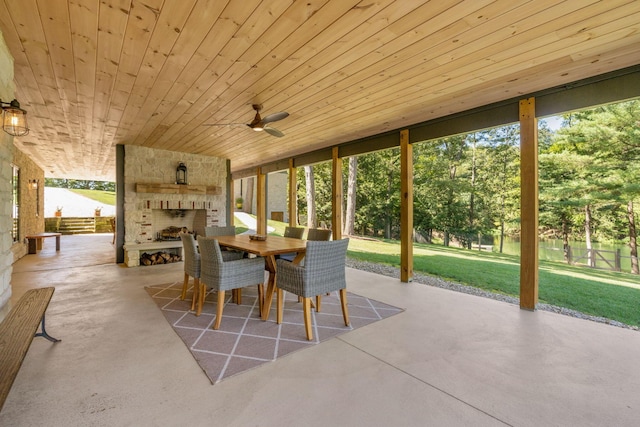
(258, 128)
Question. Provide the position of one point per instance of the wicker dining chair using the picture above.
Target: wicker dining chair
(191, 260)
(323, 271)
(229, 230)
(293, 232)
(222, 275)
(318, 234)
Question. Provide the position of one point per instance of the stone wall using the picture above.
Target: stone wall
(151, 166)
(7, 89)
(31, 216)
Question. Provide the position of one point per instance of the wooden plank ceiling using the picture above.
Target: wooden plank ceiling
(95, 73)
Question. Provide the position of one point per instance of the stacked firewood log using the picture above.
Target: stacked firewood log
(158, 258)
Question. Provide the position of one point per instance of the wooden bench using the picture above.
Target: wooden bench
(35, 241)
(16, 333)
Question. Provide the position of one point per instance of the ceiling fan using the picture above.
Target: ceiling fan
(261, 123)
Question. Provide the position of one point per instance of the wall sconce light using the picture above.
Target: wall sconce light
(14, 118)
(181, 174)
(33, 184)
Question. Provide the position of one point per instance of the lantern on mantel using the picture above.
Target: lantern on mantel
(181, 174)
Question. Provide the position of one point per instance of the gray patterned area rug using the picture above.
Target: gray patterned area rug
(244, 341)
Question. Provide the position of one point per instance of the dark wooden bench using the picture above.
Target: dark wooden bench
(16, 333)
(35, 241)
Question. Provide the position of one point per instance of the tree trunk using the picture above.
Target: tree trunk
(472, 197)
(565, 239)
(587, 235)
(350, 214)
(387, 213)
(311, 199)
(632, 239)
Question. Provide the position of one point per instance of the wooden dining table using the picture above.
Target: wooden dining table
(269, 248)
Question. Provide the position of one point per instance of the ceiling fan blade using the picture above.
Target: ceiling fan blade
(275, 117)
(273, 132)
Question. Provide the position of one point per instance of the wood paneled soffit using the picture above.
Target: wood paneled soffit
(615, 86)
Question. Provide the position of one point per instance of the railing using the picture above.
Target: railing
(596, 258)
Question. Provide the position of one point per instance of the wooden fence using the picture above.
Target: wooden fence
(596, 258)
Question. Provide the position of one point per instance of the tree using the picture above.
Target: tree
(350, 213)
(310, 197)
(609, 137)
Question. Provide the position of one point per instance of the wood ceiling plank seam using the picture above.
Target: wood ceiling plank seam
(201, 61)
(151, 114)
(158, 118)
(531, 16)
(631, 61)
(27, 89)
(293, 76)
(603, 50)
(338, 29)
(483, 101)
(333, 19)
(162, 45)
(113, 19)
(263, 158)
(167, 30)
(542, 75)
(390, 57)
(559, 48)
(440, 104)
(401, 61)
(238, 67)
(84, 17)
(198, 95)
(516, 49)
(225, 56)
(286, 28)
(83, 21)
(56, 26)
(136, 40)
(363, 85)
(530, 79)
(208, 114)
(336, 24)
(27, 23)
(540, 33)
(396, 38)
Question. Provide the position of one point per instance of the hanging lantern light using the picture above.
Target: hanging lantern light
(181, 174)
(14, 118)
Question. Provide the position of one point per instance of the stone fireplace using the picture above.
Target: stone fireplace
(153, 201)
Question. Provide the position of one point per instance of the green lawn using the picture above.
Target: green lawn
(600, 293)
(103, 197)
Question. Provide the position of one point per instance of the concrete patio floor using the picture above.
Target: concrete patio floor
(450, 359)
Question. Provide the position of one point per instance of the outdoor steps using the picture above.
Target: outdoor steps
(78, 225)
